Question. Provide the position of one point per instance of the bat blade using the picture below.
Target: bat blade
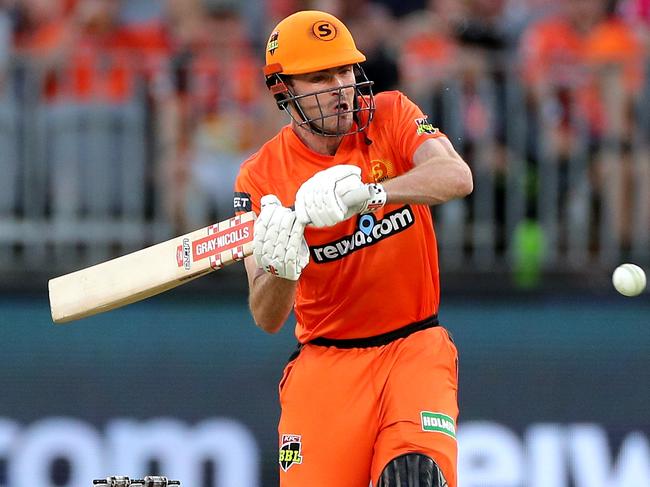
(150, 271)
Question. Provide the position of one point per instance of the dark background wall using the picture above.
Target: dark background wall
(526, 360)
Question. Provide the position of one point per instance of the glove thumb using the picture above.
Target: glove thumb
(270, 199)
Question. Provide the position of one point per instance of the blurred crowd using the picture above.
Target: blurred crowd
(197, 63)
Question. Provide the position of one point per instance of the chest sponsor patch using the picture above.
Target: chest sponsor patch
(290, 451)
(438, 422)
(241, 202)
(369, 232)
(424, 126)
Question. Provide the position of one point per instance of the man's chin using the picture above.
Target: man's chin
(342, 128)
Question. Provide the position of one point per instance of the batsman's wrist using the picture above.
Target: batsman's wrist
(377, 198)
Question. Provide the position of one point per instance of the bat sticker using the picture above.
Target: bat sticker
(219, 242)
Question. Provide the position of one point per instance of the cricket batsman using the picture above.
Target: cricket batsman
(371, 393)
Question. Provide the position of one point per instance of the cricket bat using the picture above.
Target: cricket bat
(153, 270)
(150, 271)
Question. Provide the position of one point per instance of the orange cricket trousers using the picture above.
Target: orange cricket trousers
(347, 412)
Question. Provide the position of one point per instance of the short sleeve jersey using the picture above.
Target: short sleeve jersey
(372, 273)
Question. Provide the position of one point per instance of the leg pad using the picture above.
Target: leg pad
(412, 470)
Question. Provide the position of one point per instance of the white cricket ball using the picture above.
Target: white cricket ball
(629, 279)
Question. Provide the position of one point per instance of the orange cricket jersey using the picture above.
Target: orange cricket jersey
(372, 273)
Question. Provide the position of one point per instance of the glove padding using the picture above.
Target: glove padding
(278, 243)
(335, 194)
(319, 200)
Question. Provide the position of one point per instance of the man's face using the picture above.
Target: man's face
(331, 111)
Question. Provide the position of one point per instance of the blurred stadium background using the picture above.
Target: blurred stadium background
(122, 123)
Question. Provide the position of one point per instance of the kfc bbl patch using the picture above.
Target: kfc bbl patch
(290, 451)
(242, 202)
(424, 126)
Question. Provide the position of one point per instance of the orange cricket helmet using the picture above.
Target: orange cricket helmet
(310, 41)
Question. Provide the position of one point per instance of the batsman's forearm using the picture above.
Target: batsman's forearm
(431, 183)
(271, 301)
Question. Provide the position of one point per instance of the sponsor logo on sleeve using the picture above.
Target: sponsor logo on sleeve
(369, 231)
(290, 451)
(424, 126)
(242, 202)
(438, 423)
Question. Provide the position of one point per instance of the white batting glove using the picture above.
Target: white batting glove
(278, 243)
(335, 194)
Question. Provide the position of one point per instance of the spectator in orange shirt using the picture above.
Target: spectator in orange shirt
(584, 67)
(41, 40)
(40, 26)
(151, 41)
(213, 112)
(75, 49)
(428, 50)
(84, 51)
(101, 64)
(568, 52)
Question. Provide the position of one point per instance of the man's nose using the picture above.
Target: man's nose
(336, 78)
(338, 81)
